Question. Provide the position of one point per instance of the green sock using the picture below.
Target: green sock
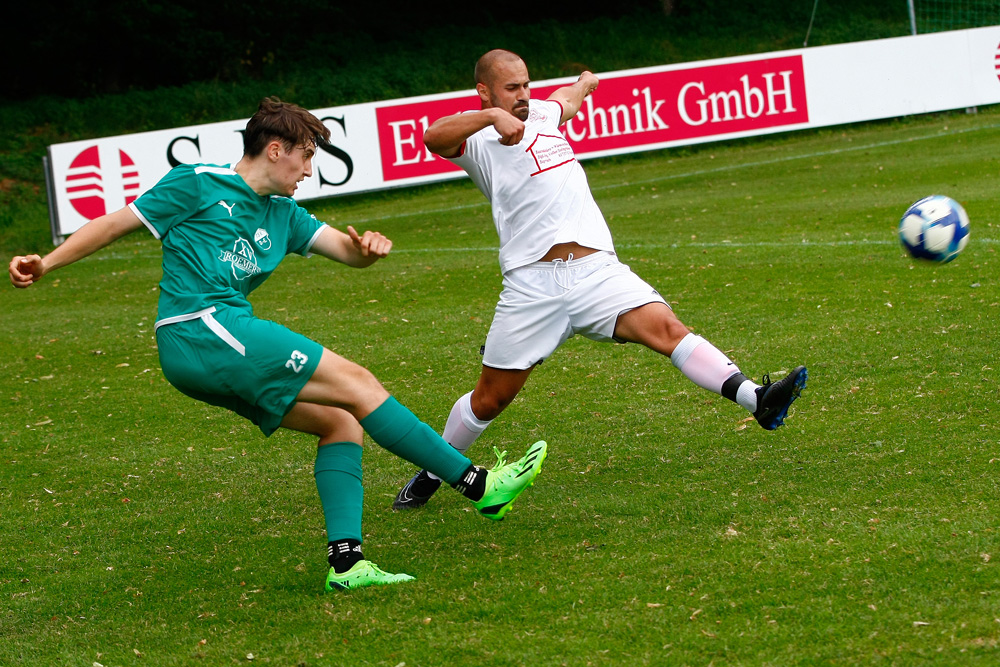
(338, 480)
(395, 428)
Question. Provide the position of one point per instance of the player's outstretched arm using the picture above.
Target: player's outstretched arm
(571, 97)
(353, 249)
(25, 270)
(446, 135)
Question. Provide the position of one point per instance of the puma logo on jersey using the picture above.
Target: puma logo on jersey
(228, 207)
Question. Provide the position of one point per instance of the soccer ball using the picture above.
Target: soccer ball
(935, 228)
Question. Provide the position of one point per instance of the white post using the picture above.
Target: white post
(913, 17)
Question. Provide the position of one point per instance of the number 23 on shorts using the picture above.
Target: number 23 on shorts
(297, 361)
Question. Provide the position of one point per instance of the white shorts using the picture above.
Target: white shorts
(544, 304)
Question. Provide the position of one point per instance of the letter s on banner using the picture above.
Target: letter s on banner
(337, 152)
(173, 160)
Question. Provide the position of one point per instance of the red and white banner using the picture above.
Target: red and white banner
(380, 145)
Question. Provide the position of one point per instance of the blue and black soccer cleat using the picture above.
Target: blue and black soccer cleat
(774, 398)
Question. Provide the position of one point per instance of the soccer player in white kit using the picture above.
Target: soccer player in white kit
(561, 276)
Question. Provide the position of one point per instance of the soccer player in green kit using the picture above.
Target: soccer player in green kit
(224, 230)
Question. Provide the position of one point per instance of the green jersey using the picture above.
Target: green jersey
(220, 238)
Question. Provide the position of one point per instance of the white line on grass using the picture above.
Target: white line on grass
(804, 243)
(703, 172)
(410, 214)
(789, 158)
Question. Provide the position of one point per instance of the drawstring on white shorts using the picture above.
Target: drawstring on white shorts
(560, 265)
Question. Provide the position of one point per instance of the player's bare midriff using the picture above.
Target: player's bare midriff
(564, 250)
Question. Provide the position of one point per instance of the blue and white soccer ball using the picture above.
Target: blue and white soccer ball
(935, 228)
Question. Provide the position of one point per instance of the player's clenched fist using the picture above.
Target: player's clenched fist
(370, 243)
(25, 270)
(510, 128)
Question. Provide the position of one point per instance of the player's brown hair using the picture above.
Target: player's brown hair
(289, 123)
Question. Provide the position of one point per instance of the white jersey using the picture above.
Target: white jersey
(538, 190)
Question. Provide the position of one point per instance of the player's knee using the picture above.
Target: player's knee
(359, 377)
(488, 405)
(674, 331)
(342, 430)
(668, 326)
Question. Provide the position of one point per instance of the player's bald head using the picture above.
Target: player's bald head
(486, 66)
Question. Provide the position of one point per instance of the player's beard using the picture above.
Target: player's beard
(520, 111)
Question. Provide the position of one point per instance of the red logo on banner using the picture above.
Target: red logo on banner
(630, 111)
(997, 61)
(85, 182)
(401, 136)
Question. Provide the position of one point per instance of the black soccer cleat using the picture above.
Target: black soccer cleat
(774, 398)
(416, 492)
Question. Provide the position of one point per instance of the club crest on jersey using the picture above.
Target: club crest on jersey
(242, 258)
(261, 238)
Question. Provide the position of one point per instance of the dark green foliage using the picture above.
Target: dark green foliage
(185, 63)
(117, 46)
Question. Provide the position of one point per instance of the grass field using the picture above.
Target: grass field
(141, 528)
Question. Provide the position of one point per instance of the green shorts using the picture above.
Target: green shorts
(229, 358)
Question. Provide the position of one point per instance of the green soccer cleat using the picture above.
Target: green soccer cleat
(504, 483)
(364, 573)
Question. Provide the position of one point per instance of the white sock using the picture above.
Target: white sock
(703, 363)
(463, 427)
(746, 395)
